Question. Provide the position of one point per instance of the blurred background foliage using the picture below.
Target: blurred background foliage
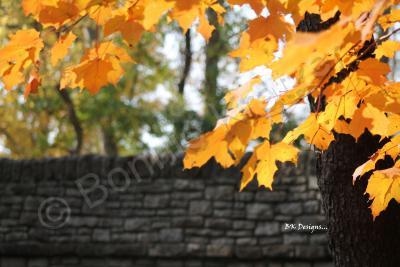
(173, 93)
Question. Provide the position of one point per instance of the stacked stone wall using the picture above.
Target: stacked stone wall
(141, 211)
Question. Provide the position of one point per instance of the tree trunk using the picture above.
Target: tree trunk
(354, 238)
(109, 144)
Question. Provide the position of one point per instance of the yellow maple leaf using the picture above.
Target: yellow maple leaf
(53, 14)
(263, 163)
(130, 29)
(60, 49)
(185, 12)
(314, 133)
(232, 98)
(387, 49)
(100, 13)
(34, 7)
(385, 98)
(98, 67)
(306, 50)
(373, 70)
(94, 74)
(272, 27)
(391, 148)
(333, 111)
(367, 117)
(205, 29)
(394, 124)
(387, 21)
(383, 186)
(228, 141)
(154, 10)
(207, 146)
(20, 53)
(254, 54)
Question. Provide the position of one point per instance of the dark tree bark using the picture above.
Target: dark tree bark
(354, 238)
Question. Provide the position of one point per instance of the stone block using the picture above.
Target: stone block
(297, 264)
(38, 262)
(313, 252)
(248, 252)
(194, 263)
(219, 250)
(293, 238)
(160, 224)
(312, 206)
(221, 192)
(223, 204)
(171, 235)
(319, 238)
(124, 237)
(222, 241)
(270, 196)
(147, 237)
(268, 229)
(243, 225)
(201, 207)
(195, 249)
(244, 197)
(13, 262)
(156, 201)
(324, 264)
(169, 263)
(205, 232)
(101, 235)
(167, 250)
(188, 185)
(278, 251)
(218, 223)
(239, 233)
(187, 195)
(259, 211)
(290, 208)
(250, 241)
(137, 224)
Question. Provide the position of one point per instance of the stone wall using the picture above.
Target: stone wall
(141, 211)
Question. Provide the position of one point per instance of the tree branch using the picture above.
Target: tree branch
(188, 62)
(73, 118)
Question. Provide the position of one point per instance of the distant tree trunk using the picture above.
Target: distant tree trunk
(109, 144)
(211, 78)
(354, 238)
(215, 48)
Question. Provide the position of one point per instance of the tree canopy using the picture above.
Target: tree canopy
(337, 53)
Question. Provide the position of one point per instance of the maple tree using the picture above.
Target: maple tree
(328, 47)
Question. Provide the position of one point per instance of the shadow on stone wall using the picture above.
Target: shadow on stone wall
(142, 211)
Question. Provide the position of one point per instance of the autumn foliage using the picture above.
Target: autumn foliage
(340, 67)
